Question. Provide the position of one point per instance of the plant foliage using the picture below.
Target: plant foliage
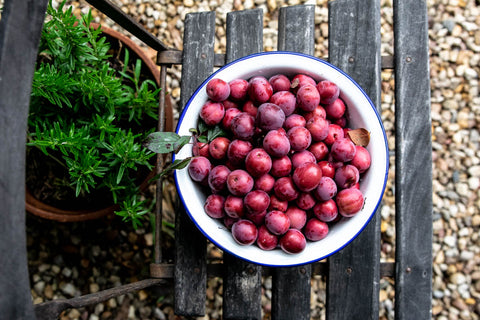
(81, 106)
(171, 142)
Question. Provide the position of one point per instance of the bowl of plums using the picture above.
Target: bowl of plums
(288, 159)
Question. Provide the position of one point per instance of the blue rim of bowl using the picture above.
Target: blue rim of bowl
(180, 120)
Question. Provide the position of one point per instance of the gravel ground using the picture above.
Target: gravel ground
(74, 259)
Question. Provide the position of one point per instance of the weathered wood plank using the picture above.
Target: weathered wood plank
(242, 282)
(198, 55)
(413, 162)
(291, 286)
(244, 33)
(242, 289)
(190, 258)
(291, 292)
(354, 272)
(175, 57)
(296, 31)
(52, 309)
(20, 30)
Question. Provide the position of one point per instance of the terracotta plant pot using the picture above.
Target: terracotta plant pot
(43, 210)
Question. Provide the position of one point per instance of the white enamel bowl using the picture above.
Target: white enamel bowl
(362, 114)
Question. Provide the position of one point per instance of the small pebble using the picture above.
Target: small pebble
(74, 314)
(112, 303)
(99, 308)
(450, 241)
(158, 314)
(39, 287)
(67, 272)
(56, 269)
(131, 312)
(48, 292)
(457, 278)
(93, 317)
(94, 287)
(68, 289)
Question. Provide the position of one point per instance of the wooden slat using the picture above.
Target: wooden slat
(52, 309)
(242, 282)
(291, 292)
(20, 29)
(291, 286)
(190, 257)
(244, 33)
(413, 153)
(175, 57)
(296, 31)
(354, 272)
(242, 289)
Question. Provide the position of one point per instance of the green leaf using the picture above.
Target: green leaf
(151, 83)
(164, 136)
(216, 132)
(165, 142)
(121, 170)
(126, 75)
(202, 127)
(202, 139)
(138, 69)
(78, 189)
(181, 142)
(175, 165)
(132, 211)
(125, 60)
(180, 163)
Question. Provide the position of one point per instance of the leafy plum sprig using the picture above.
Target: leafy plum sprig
(171, 142)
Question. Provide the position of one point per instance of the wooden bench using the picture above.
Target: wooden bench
(353, 275)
